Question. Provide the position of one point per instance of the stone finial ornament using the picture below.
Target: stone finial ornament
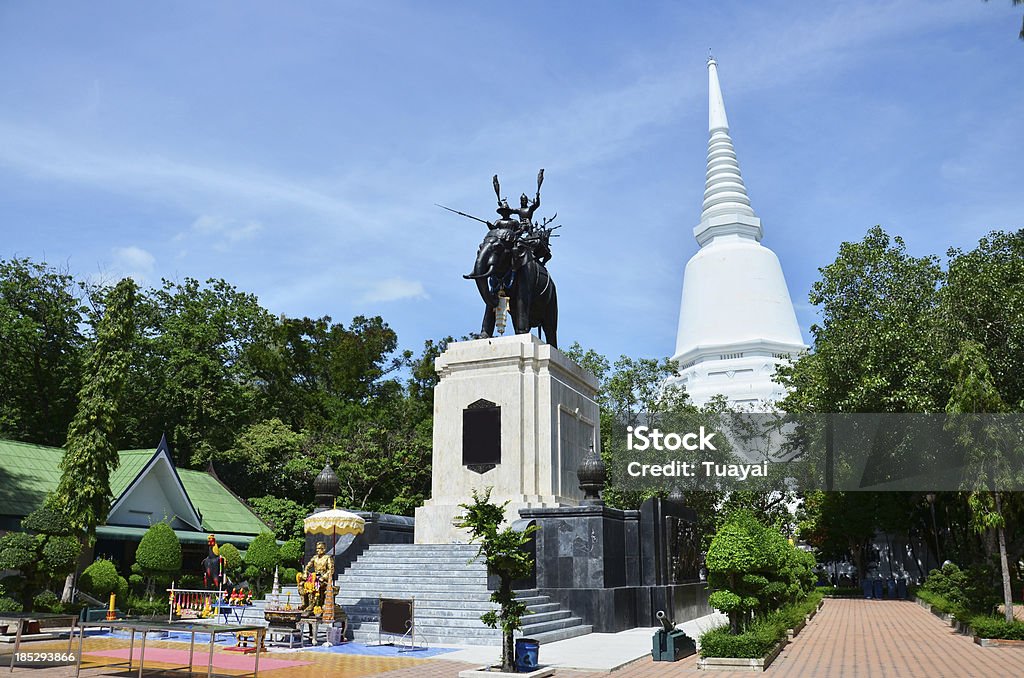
(592, 475)
(326, 487)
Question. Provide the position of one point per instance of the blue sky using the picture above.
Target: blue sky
(297, 149)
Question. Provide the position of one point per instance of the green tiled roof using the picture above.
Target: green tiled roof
(132, 463)
(28, 472)
(221, 510)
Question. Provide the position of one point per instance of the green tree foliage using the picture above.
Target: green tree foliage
(262, 557)
(83, 494)
(983, 301)
(284, 515)
(41, 361)
(874, 347)
(503, 550)
(889, 324)
(232, 560)
(990, 460)
(158, 556)
(292, 552)
(753, 570)
(266, 457)
(205, 337)
(100, 579)
(40, 555)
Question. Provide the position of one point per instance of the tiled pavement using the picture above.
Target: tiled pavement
(867, 638)
(847, 639)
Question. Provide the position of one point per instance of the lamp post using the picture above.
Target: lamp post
(931, 503)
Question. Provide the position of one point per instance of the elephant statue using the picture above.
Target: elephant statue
(507, 262)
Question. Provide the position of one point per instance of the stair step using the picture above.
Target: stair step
(449, 586)
(562, 634)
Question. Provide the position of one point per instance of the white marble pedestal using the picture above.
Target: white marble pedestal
(549, 420)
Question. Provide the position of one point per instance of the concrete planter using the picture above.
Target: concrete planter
(740, 664)
(795, 631)
(496, 672)
(996, 642)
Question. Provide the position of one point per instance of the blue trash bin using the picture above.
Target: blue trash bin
(527, 654)
(901, 589)
(878, 588)
(891, 584)
(866, 586)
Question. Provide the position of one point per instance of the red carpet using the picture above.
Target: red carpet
(236, 662)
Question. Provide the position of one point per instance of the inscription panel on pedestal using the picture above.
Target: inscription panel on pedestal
(481, 436)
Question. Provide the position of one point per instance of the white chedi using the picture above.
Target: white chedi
(736, 318)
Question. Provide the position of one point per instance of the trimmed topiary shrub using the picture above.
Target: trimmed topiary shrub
(232, 559)
(760, 638)
(46, 520)
(101, 579)
(287, 576)
(158, 555)
(46, 601)
(60, 555)
(159, 552)
(261, 558)
(292, 552)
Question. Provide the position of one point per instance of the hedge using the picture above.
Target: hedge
(997, 627)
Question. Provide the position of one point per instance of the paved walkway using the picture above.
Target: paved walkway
(847, 639)
(867, 638)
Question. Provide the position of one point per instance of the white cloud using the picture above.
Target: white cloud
(42, 152)
(393, 289)
(135, 263)
(229, 231)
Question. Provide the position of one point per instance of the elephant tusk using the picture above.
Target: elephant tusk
(477, 276)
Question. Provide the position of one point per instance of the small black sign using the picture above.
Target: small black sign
(481, 436)
(396, 616)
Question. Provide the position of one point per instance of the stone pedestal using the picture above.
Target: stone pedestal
(510, 413)
(611, 567)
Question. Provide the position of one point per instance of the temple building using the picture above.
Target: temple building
(736, 318)
(147, 489)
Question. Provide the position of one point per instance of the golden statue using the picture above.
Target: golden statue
(314, 580)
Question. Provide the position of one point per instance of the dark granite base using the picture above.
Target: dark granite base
(610, 610)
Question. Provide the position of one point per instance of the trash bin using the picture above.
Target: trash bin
(866, 587)
(901, 589)
(892, 589)
(878, 589)
(527, 654)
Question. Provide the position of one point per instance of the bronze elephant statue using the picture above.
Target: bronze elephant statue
(506, 262)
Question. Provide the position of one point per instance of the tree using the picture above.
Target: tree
(284, 515)
(292, 552)
(206, 337)
(83, 494)
(44, 552)
(503, 551)
(267, 457)
(988, 467)
(101, 579)
(41, 361)
(875, 348)
(743, 559)
(261, 558)
(232, 560)
(158, 556)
